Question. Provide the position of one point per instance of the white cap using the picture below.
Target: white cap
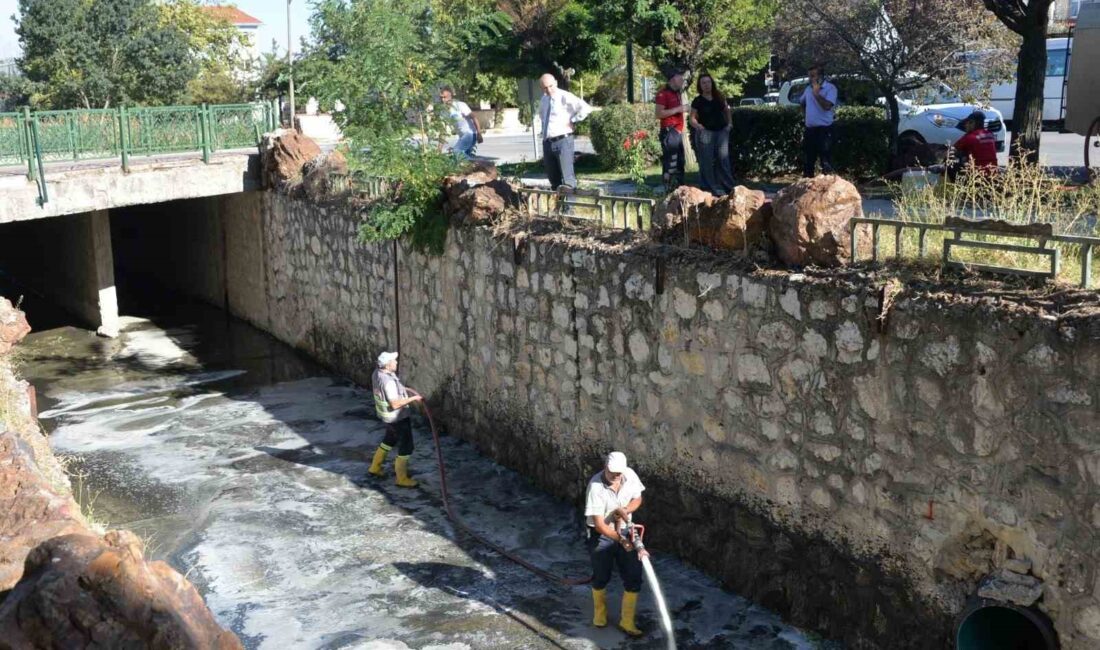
(385, 358)
(616, 462)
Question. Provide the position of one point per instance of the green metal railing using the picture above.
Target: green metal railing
(33, 138)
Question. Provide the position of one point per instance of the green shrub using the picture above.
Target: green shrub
(614, 124)
(766, 141)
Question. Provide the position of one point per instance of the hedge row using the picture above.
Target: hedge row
(765, 141)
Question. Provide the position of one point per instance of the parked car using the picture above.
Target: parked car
(771, 98)
(929, 114)
(751, 101)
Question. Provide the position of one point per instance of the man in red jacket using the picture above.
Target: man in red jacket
(978, 147)
(670, 112)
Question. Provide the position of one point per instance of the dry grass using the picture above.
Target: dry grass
(1021, 194)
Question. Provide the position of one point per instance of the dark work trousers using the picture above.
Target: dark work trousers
(399, 434)
(557, 158)
(715, 173)
(817, 144)
(607, 553)
(672, 157)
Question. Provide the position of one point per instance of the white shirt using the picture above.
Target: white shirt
(558, 113)
(815, 115)
(458, 112)
(601, 500)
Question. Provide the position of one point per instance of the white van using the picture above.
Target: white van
(1003, 96)
(929, 114)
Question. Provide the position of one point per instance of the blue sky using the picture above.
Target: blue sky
(271, 12)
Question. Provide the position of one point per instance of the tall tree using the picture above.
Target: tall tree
(1029, 19)
(898, 45)
(98, 53)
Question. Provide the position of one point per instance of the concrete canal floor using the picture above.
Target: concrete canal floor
(242, 464)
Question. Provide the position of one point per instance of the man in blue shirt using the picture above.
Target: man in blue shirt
(819, 102)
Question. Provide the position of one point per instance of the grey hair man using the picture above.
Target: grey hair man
(559, 110)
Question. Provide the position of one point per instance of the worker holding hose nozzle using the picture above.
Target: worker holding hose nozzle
(613, 496)
(391, 402)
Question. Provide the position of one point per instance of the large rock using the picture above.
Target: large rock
(680, 204)
(325, 176)
(80, 591)
(34, 511)
(732, 222)
(283, 155)
(810, 220)
(13, 326)
(478, 194)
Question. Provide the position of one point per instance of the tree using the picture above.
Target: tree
(898, 45)
(98, 53)
(1029, 19)
(730, 39)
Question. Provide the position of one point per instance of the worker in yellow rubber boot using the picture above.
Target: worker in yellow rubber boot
(391, 402)
(613, 496)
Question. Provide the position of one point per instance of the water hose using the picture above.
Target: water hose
(643, 554)
(453, 516)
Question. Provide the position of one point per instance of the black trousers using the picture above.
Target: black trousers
(672, 156)
(607, 554)
(399, 434)
(817, 144)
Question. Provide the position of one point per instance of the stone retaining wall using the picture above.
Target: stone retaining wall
(860, 474)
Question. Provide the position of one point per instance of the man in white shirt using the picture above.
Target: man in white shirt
(613, 495)
(391, 404)
(559, 110)
(466, 126)
(819, 101)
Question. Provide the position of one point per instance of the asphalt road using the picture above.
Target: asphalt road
(1057, 149)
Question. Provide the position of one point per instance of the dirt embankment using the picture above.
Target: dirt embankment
(61, 583)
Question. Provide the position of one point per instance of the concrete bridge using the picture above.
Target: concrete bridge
(62, 249)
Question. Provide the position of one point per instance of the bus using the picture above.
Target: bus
(1003, 96)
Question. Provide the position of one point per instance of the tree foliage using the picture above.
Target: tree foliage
(1029, 20)
(98, 53)
(898, 45)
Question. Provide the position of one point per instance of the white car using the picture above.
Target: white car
(930, 114)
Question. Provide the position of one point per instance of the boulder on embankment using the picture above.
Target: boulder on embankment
(81, 591)
(283, 154)
(478, 195)
(13, 325)
(734, 222)
(320, 176)
(810, 221)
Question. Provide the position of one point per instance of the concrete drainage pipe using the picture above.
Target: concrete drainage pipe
(995, 625)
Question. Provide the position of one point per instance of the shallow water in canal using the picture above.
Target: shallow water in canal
(243, 465)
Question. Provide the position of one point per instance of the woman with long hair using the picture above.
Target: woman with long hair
(710, 117)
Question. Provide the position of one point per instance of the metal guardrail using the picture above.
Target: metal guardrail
(32, 138)
(609, 209)
(1043, 248)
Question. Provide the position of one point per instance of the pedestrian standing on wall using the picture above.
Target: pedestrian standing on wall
(710, 117)
(819, 101)
(670, 111)
(465, 124)
(391, 404)
(613, 495)
(559, 110)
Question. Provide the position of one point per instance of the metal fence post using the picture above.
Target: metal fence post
(28, 133)
(43, 193)
(204, 120)
(124, 138)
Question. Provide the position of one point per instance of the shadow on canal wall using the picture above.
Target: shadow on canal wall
(857, 454)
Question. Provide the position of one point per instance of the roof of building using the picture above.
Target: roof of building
(232, 15)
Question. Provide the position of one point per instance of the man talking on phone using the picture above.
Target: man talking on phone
(819, 102)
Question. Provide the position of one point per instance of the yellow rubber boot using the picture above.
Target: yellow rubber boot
(401, 466)
(379, 458)
(626, 622)
(599, 607)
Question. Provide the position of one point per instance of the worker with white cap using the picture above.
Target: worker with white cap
(391, 401)
(614, 494)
